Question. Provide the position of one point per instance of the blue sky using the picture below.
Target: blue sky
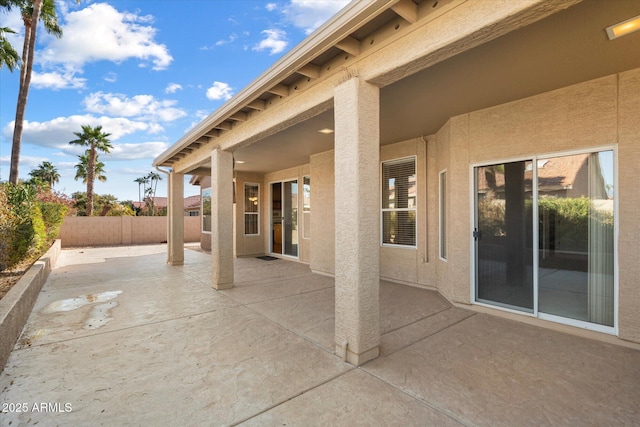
(147, 71)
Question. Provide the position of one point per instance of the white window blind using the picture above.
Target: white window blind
(399, 202)
(251, 209)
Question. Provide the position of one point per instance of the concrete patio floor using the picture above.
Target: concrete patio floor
(121, 338)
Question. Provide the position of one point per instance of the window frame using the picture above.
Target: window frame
(203, 216)
(306, 213)
(443, 247)
(414, 159)
(244, 208)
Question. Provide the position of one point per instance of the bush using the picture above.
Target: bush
(54, 207)
(29, 221)
(8, 224)
(20, 225)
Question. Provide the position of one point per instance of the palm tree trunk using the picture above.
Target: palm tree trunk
(25, 80)
(90, 177)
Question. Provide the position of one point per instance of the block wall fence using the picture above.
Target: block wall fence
(122, 230)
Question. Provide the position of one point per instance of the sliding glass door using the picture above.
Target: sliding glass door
(575, 210)
(503, 235)
(284, 218)
(570, 275)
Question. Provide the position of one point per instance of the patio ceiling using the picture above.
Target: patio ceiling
(565, 48)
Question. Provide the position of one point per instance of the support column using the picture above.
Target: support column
(175, 219)
(357, 220)
(221, 219)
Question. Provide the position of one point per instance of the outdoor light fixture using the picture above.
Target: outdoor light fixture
(326, 131)
(239, 162)
(623, 28)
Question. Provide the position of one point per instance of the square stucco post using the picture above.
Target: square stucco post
(357, 220)
(221, 219)
(175, 218)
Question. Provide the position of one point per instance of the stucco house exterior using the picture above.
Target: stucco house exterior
(408, 140)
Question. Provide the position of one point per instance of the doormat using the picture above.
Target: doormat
(267, 258)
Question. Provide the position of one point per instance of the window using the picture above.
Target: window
(194, 213)
(443, 214)
(251, 209)
(399, 202)
(206, 210)
(306, 207)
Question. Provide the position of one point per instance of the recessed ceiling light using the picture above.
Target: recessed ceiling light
(326, 131)
(239, 162)
(623, 28)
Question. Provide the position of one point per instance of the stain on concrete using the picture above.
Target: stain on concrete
(100, 315)
(78, 302)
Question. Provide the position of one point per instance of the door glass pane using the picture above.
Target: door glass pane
(276, 218)
(575, 209)
(290, 198)
(504, 256)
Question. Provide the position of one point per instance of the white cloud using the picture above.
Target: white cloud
(219, 91)
(275, 41)
(142, 150)
(57, 133)
(111, 77)
(173, 88)
(231, 39)
(122, 36)
(271, 7)
(57, 80)
(14, 21)
(140, 106)
(310, 14)
(199, 116)
(26, 162)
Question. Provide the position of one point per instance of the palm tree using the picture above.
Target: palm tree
(46, 172)
(143, 180)
(153, 178)
(33, 11)
(83, 166)
(96, 140)
(8, 55)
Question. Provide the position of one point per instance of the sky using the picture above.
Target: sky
(147, 71)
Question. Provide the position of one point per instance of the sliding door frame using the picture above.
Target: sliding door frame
(473, 199)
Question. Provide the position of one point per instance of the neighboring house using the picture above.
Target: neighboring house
(191, 204)
(398, 141)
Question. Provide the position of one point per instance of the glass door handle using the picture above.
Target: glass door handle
(477, 234)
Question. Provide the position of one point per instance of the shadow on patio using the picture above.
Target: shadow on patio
(125, 339)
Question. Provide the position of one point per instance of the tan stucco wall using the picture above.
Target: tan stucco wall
(323, 212)
(629, 204)
(122, 230)
(591, 114)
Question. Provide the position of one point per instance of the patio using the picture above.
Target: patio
(125, 339)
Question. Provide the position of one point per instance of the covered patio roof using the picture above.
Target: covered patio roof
(548, 46)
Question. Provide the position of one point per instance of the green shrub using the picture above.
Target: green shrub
(54, 206)
(8, 223)
(29, 221)
(18, 227)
